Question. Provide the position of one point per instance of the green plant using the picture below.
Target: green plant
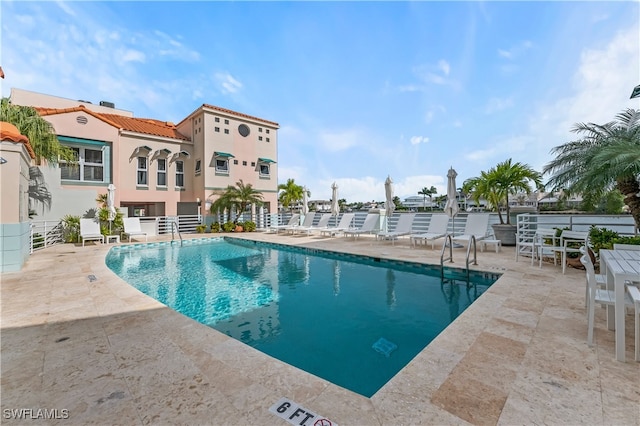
(249, 226)
(228, 226)
(201, 228)
(496, 184)
(215, 227)
(601, 238)
(628, 240)
(70, 228)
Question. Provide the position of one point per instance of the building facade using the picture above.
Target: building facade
(158, 168)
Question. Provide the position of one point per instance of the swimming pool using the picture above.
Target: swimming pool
(352, 320)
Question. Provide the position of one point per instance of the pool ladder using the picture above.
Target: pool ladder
(174, 227)
(448, 242)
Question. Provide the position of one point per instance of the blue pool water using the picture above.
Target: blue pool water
(351, 320)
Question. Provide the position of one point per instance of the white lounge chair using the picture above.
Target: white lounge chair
(308, 221)
(476, 226)
(343, 225)
(437, 229)
(403, 227)
(132, 228)
(368, 227)
(90, 231)
(322, 224)
(295, 218)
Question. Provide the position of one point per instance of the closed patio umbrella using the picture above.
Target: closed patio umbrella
(305, 201)
(335, 207)
(389, 204)
(111, 203)
(451, 207)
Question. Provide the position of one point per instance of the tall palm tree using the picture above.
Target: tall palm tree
(496, 184)
(606, 157)
(428, 192)
(40, 132)
(290, 193)
(239, 196)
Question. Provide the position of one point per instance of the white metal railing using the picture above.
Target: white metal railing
(45, 233)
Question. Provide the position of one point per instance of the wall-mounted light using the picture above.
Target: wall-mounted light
(2, 160)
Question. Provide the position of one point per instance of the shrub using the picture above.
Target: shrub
(249, 226)
(601, 238)
(70, 228)
(228, 226)
(38, 241)
(201, 228)
(215, 227)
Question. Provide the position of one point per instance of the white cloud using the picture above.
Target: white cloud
(444, 66)
(415, 140)
(228, 83)
(498, 104)
(131, 55)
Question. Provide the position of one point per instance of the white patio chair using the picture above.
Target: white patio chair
(368, 227)
(437, 229)
(634, 293)
(306, 222)
(343, 225)
(132, 228)
(476, 226)
(295, 218)
(598, 296)
(322, 224)
(403, 227)
(90, 231)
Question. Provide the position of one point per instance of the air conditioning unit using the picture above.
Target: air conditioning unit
(107, 104)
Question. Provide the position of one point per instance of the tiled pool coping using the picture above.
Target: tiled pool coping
(516, 356)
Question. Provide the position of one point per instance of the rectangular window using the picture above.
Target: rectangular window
(267, 139)
(264, 169)
(217, 129)
(226, 131)
(260, 129)
(226, 121)
(267, 130)
(235, 162)
(259, 138)
(244, 163)
(179, 174)
(89, 166)
(142, 171)
(162, 172)
(217, 119)
(222, 165)
(198, 167)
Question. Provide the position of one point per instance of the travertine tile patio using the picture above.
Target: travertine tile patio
(111, 355)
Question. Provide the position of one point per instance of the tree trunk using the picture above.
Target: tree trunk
(629, 187)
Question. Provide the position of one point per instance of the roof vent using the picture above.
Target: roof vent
(82, 100)
(107, 104)
(81, 119)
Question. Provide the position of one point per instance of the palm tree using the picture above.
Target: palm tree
(606, 157)
(239, 196)
(40, 132)
(428, 192)
(496, 184)
(291, 193)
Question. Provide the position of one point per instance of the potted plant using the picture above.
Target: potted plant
(495, 186)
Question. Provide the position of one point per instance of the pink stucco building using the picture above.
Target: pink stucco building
(159, 168)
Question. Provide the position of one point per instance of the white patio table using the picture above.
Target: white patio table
(619, 266)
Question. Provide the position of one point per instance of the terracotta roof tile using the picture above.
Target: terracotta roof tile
(131, 124)
(9, 132)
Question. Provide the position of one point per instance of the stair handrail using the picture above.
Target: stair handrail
(177, 229)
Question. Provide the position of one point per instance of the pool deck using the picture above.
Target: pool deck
(111, 355)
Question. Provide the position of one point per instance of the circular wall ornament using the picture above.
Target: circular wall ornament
(243, 129)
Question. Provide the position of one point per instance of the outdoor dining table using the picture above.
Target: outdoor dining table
(619, 266)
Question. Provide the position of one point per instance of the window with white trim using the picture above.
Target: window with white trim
(142, 171)
(264, 169)
(89, 166)
(162, 172)
(222, 165)
(179, 174)
(198, 167)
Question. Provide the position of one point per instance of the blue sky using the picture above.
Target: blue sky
(361, 90)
